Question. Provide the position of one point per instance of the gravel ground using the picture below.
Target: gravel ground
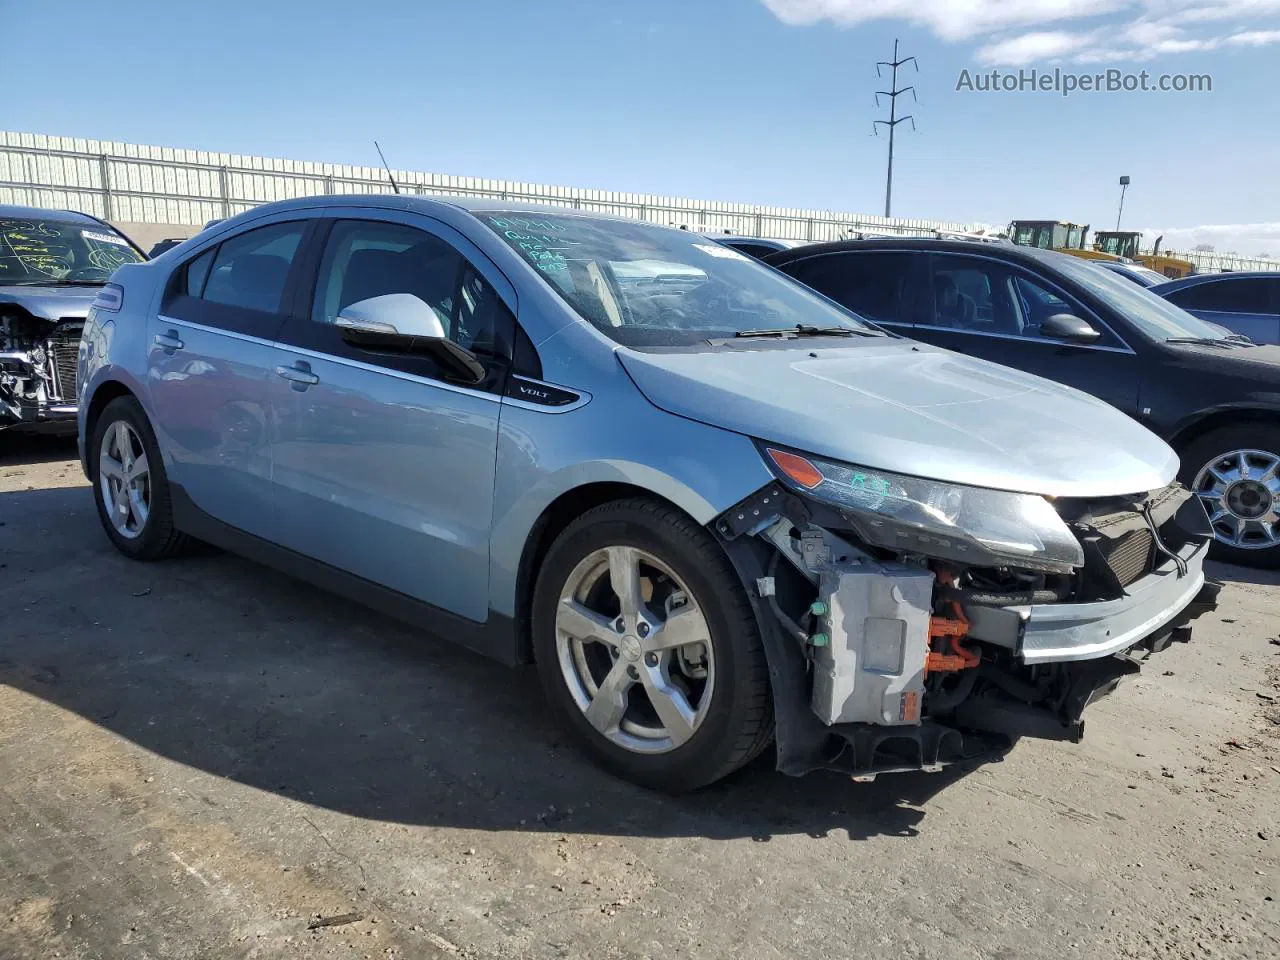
(203, 758)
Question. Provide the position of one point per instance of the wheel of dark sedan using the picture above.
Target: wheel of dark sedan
(648, 649)
(1235, 472)
(129, 483)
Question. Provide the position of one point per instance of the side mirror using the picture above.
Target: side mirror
(1069, 328)
(403, 323)
(392, 314)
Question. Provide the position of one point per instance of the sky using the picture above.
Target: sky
(757, 101)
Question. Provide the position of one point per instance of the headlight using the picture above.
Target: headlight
(969, 524)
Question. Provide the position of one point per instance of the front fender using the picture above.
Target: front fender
(703, 470)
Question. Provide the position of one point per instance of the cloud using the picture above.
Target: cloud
(1083, 31)
(1031, 48)
(1254, 38)
(1247, 239)
(949, 19)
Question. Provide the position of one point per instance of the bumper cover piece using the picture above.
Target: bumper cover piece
(1063, 632)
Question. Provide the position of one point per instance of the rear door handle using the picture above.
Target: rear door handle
(169, 340)
(299, 375)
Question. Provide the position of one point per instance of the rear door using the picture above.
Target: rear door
(210, 352)
(1247, 305)
(991, 309)
(384, 463)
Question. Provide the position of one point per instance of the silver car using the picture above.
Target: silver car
(52, 265)
(714, 508)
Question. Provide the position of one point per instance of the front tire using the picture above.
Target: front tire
(130, 487)
(1235, 471)
(648, 649)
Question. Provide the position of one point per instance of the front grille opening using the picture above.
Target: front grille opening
(1129, 557)
(63, 347)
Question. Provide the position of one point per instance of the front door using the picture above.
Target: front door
(383, 463)
(993, 310)
(209, 358)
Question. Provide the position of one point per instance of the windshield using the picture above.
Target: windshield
(1151, 314)
(643, 285)
(44, 251)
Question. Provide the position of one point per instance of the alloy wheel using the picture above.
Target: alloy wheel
(124, 480)
(1240, 491)
(635, 650)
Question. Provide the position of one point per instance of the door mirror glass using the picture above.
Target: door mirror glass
(403, 323)
(1068, 327)
(394, 314)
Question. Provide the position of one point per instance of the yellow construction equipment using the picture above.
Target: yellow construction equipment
(1073, 238)
(1058, 235)
(1126, 246)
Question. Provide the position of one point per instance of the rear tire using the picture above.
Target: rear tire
(625, 671)
(130, 486)
(1236, 473)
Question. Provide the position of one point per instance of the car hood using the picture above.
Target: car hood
(51, 303)
(913, 409)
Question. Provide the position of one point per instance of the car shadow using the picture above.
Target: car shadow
(1236, 574)
(23, 449)
(230, 668)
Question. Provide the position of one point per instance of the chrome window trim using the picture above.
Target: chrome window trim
(1009, 336)
(340, 361)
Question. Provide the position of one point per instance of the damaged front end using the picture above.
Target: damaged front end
(911, 624)
(38, 359)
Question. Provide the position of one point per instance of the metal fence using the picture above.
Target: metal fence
(126, 182)
(129, 182)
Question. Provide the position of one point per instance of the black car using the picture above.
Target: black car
(1215, 398)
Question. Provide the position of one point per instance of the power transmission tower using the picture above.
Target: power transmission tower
(893, 121)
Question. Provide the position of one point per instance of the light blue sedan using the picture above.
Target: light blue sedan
(715, 508)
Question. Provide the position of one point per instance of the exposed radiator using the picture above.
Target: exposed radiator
(1130, 557)
(64, 352)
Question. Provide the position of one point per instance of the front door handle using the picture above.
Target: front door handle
(169, 340)
(299, 375)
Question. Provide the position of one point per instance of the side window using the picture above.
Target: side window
(365, 259)
(250, 270)
(1036, 304)
(1247, 295)
(195, 273)
(871, 284)
(975, 295)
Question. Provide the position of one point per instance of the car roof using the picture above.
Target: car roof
(445, 207)
(1199, 278)
(1006, 251)
(13, 210)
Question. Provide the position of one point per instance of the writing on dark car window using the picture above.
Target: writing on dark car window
(60, 250)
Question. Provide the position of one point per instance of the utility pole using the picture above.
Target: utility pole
(894, 119)
(1124, 185)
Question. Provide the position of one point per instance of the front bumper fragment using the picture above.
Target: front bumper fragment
(1065, 632)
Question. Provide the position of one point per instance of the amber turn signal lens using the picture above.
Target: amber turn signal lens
(796, 467)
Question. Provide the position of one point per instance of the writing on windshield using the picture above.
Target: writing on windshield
(60, 250)
(644, 285)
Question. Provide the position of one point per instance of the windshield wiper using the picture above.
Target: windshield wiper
(52, 282)
(1206, 341)
(800, 330)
